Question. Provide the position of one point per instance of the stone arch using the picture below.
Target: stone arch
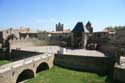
(42, 66)
(26, 74)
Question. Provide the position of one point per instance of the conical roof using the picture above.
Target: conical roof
(79, 27)
(88, 23)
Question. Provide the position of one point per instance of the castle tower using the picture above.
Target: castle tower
(77, 36)
(59, 27)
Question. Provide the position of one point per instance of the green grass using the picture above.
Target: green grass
(61, 75)
(4, 62)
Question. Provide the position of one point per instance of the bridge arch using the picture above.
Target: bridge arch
(24, 75)
(42, 66)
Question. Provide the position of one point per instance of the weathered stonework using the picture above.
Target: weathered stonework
(87, 63)
(9, 73)
(119, 70)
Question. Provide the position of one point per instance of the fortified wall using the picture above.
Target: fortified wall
(101, 65)
(97, 64)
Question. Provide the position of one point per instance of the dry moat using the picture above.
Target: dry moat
(61, 75)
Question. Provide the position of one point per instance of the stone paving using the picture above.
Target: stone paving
(83, 52)
(45, 49)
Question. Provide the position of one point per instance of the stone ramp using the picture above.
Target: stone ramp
(42, 49)
(55, 49)
(19, 63)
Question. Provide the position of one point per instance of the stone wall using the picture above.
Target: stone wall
(99, 65)
(119, 70)
(20, 54)
(10, 73)
(18, 44)
(119, 74)
(4, 55)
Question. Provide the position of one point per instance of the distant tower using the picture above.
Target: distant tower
(59, 27)
(89, 27)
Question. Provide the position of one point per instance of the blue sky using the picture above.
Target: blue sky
(44, 14)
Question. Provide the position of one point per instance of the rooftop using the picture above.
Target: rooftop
(79, 27)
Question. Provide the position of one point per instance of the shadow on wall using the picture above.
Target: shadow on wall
(43, 66)
(99, 65)
(20, 54)
(26, 74)
(50, 42)
(4, 56)
(110, 79)
(102, 66)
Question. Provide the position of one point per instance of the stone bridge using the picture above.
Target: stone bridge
(21, 70)
(85, 60)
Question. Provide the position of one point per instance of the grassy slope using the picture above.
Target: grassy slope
(60, 75)
(3, 62)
